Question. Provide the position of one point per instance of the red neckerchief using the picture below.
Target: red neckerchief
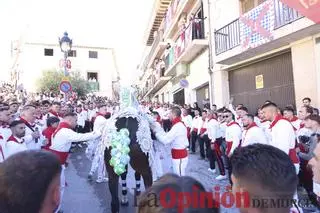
(27, 123)
(13, 139)
(301, 125)
(61, 126)
(54, 113)
(1, 138)
(176, 120)
(295, 118)
(251, 125)
(263, 121)
(277, 118)
(158, 119)
(232, 122)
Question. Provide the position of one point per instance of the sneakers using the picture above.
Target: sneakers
(212, 170)
(102, 180)
(221, 177)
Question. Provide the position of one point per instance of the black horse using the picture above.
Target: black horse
(138, 161)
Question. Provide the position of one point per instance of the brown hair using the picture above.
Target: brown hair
(315, 118)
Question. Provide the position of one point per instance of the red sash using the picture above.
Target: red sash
(229, 146)
(203, 130)
(179, 153)
(63, 156)
(54, 113)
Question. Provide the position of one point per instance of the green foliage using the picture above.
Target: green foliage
(50, 81)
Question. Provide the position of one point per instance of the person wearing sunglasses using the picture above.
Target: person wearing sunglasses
(233, 137)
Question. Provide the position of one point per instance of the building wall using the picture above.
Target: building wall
(220, 88)
(33, 62)
(198, 76)
(224, 12)
(304, 70)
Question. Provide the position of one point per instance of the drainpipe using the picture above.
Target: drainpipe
(211, 63)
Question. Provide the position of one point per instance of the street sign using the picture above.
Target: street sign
(65, 63)
(65, 86)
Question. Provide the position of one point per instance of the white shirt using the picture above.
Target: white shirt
(283, 135)
(222, 130)
(99, 123)
(91, 114)
(202, 125)
(233, 134)
(5, 132)
(61, 142)
(2, 149)
(187, 120)
(177, 136)
(82, 117)
(212, 129)
(13, 147)
(196, 122)
(34, 144)
(253, 135)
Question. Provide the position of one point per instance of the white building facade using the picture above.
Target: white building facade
(95, 64)
(176, 68)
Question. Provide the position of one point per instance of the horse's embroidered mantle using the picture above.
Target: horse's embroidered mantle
(143, 133)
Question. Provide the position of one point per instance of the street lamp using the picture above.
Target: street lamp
(65, 45)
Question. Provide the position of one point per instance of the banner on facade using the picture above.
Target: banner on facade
(256, 26)
(307, 8)
(259, 82)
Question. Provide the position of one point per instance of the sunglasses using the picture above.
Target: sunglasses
(226, 116)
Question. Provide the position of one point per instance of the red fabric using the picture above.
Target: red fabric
(13, 139)
(47, 133)
(301, 125)
(229, 146)
(293, 156)
(54, 113)
(61, 126)
(159, 119)
(176, 120)
(63, 156)
(203, 130)
(26, 122)
(232, 123)
(179, 153)
(188, 133)
(295, 118)
(249, 127)
(195, 130)
(99, 114)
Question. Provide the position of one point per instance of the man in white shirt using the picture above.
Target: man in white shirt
(15, 142)
(203, 139)
(98, 160)
(165, 116)
(194, 130)
(187, 120)
(62, 139)
(177, 136)
(282, 133)
(252, 133)
(33, 138)
(5, 118)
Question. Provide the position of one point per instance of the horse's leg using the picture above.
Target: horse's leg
(113, 183)
(137, 176)
(124, 190)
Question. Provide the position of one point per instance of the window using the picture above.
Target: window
(72, 53)
(93, 54)
(247, 5)
(48, 52)
(92, 76)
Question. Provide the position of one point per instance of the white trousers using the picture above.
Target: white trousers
(157, 166)
(98, 163)
(62, 185)
(179, 166)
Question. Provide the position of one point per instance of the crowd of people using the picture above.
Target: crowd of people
(274, 149)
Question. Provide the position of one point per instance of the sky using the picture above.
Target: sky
(119, 24)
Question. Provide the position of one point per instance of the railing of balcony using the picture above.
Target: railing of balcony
(228, 37)
(284, 15)
(155, 44)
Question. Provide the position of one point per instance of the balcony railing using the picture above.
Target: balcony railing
(284, 15)
(155, 44)
(228, 37)
(195, 30)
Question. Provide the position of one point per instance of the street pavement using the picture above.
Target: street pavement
(82, 196)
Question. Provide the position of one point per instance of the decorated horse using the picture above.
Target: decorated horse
(127, 140)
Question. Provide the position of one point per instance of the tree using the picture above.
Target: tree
(50, 81)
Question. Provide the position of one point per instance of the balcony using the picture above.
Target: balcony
(155, 84)
(189, 45)
(245, 37)
(158, 47)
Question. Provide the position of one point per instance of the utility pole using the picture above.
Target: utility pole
(211, 63)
